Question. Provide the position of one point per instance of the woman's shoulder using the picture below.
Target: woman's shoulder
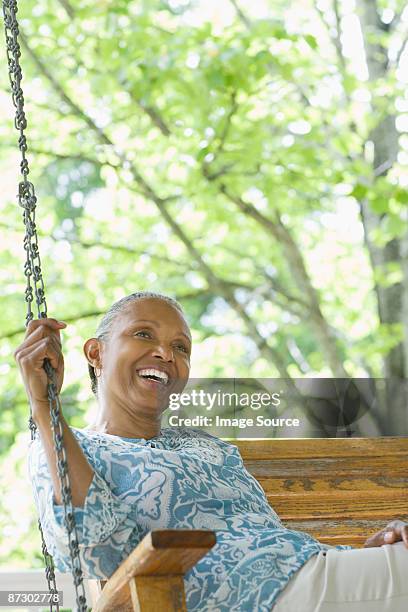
(85, 437)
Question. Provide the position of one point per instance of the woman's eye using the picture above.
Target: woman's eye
(182, 348)
(143, 332)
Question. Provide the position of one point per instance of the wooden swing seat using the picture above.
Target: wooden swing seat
(338, 490)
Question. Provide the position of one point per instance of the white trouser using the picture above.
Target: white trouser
(358, 580)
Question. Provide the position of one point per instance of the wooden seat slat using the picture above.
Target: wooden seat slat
(340, 534)
(355, 540)
(299, 485)
(330, 507)
(334, 467)
(337, 531)
(292, 448)
(336, 527)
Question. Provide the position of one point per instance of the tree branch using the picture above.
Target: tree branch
(295, 259)
(336, 41)
(397, 19)
(269, 292)
(67, 319)
(104, 245)
(64, 156)
(298, 356)
(148, 109)
(241, 14)
(402, 49)
(337, 38)
(192, 295)
(67, 8)
(155, 117)
(227, 125)
(275, 287)
(125, 249)
(60, 91)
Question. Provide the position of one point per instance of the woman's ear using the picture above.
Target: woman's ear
(92, 351)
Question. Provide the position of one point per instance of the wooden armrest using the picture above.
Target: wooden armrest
(162, 553)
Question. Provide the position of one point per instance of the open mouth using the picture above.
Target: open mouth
(154, 376)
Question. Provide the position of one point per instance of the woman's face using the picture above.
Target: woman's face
(147, 356)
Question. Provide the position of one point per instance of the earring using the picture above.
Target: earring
(97, 372)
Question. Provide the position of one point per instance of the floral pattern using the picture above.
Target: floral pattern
(182, 478)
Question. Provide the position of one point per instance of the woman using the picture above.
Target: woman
(128, 477)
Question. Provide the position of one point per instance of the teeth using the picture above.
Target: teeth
(153, 372)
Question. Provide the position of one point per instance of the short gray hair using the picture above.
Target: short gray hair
(105, 327)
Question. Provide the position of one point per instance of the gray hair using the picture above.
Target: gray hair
(105, 327)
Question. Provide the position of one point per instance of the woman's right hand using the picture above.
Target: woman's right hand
(42, 340)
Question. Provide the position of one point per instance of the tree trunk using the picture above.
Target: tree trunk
(391, 300)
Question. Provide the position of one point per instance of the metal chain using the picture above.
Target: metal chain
(32, 269)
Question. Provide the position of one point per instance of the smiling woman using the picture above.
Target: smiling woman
(130, 477)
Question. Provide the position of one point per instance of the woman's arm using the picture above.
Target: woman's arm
(42, 340)
(79, 471)
(104, 523)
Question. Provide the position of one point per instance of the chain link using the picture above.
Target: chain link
(32, 270)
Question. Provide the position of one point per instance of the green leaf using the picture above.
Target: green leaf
(380, 204)
(311, 41)
(359, 191)
(216, 79)
(401, 195)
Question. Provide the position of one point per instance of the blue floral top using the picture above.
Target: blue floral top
(182, 478)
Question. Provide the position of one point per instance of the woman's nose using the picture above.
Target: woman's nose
(164, 352)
